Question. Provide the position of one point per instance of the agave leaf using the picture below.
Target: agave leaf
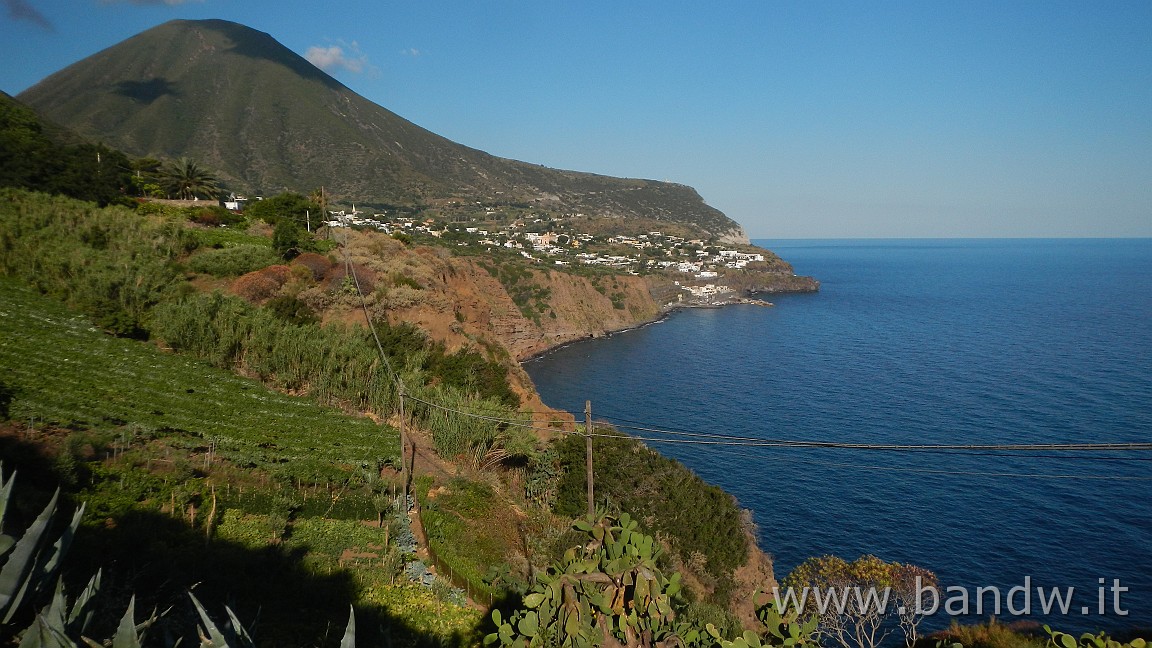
(16, 576)
(238, 629)
(56, 611)
(60, 547)
(81, 616)
(5, 494)
(214, 635)
(126, 636)
(41, 635)
(349, 640)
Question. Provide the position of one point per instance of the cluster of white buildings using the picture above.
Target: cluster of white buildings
(703, 261)
(382, 222)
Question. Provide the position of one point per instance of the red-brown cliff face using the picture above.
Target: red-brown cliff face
(459, 301)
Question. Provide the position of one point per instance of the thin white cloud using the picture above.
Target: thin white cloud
(22, 10)
(412, 51)
(335, 57)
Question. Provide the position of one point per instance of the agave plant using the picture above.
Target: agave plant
(32, 561)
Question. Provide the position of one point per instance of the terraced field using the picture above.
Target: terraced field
(67, 373)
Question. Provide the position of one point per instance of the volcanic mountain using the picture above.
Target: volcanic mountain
(265, 120)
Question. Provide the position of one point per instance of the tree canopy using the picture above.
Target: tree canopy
(289, 206)
(186, 180)
(31, 159)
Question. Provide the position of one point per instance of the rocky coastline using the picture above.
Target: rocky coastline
(719, 300)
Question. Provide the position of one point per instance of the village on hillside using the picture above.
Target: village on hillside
(558, 243)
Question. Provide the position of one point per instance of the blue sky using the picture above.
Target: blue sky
(796, 118)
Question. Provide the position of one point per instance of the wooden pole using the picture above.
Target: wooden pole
(588, 455)
(403, 442)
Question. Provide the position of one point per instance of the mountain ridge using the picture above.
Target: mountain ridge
(266, 121)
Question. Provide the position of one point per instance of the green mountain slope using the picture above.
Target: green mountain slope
(266, 121)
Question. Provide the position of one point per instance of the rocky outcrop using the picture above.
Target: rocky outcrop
(733, 237)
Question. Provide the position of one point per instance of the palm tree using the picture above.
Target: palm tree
(186, 180)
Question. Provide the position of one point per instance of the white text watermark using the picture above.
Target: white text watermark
(926, 599)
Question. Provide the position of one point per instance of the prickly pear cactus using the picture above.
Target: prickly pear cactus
(1059, 639)
(608, 592)
(783, 628)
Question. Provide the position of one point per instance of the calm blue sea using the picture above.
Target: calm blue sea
(918, 341)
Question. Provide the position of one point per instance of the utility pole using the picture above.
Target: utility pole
(588, 455)
(403, 443)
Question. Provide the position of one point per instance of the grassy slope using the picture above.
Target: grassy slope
(69, 373)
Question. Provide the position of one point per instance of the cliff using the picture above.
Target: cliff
(522, 310)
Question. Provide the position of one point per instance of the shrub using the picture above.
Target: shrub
(337, 278)
(471, 372)
(693, 515)
(398, 298)
(292, 310)
(109, 263)
(262, 284)
(213, 216)
(317, 264)
(232, 261)
(989, 635)
(255, 286)
(400, 279)
(278, 273)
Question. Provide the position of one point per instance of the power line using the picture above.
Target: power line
(350, 269)
(726, 440)
(722, 439)
(907, 469)
(791, 443)
(966, 473)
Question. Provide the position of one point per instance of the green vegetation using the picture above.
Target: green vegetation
(1089, 640)
(233, 261)
(32, 156)
(454, 517)
(222, 237)
(702, 524)
(168, 452)
(992, 634)
(184, 179)
(610, 588)
(68, 374)
(109, 263)
(520, 283)
(336, 364)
